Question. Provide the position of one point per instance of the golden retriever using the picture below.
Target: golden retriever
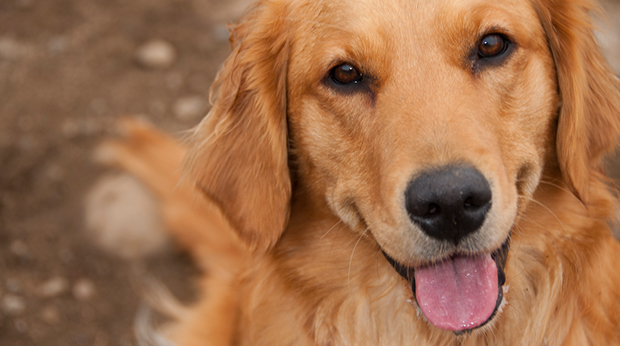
(399, 172)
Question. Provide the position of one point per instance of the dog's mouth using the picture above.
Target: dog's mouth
(460, 293)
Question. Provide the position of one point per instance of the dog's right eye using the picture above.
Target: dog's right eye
(346, 74)
(492, 46)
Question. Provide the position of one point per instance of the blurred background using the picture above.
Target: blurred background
(68, 70)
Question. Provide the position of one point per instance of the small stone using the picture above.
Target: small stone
(53, 287)
(58, 44)
(11, 49)
(189, 108)
(50, 315)
(55, 173)
(70, 129)
(13, 285)
(13, 305)
(27, 143)
(84, 289)
(156, 54)
(20, 249)
(123, 218)
(83, 128)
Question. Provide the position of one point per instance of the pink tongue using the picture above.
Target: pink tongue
(459, 293)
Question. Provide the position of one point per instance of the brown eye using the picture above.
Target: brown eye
(491, 46)
(346, 74)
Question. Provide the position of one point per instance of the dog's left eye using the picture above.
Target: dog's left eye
(346, 74)
(492, 45)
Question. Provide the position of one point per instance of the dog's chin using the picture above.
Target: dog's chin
(460, 293)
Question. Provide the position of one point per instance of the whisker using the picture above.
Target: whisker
(351, 259)
(556, 185)
(576, 253)
(329, 230)
(546, 208)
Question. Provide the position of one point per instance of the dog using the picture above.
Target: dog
(398, 172)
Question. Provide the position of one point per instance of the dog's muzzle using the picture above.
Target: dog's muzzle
(463, 291)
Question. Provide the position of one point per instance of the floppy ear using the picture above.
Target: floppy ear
(589, 119)
(238, 154)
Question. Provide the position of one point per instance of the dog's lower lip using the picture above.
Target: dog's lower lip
(499, 256)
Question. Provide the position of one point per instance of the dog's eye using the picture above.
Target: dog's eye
(492, 45)
(346, 74)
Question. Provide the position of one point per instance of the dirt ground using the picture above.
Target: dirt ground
(68, 70)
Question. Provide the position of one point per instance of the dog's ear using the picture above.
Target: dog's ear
(589, 118)
(238, 154)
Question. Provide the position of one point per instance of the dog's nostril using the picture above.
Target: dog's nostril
(433, 209)
(469, 203)
(449, 203)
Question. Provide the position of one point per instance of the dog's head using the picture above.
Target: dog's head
(427, 124)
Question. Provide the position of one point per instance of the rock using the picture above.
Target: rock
(53, 287)
(13, 305)
(58, 44)
(70, 129)
(123, 218)
(13, 285)
(20, 250)
(28, 143)
(11, 49)
(50, 315)
(156, 54)
(81, 128)
(55, 173)
(84, 289)
(189, 108)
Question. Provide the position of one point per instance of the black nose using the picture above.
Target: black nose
(450, 202)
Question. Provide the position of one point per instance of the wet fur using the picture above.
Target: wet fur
(303, 184)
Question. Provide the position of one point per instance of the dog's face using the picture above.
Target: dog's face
(424, 124)
(427, 125)
(393, 92)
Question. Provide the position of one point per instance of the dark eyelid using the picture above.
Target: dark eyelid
(367, 86)
(478, 64)
(327, 79)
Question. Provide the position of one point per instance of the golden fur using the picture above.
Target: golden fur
(310, 180)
